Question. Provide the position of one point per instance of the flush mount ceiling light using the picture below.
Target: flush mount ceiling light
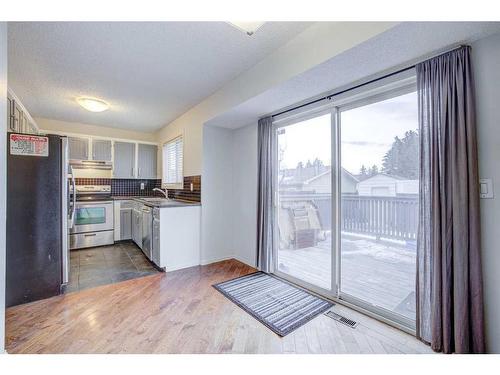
(248, 28)
(93, 105)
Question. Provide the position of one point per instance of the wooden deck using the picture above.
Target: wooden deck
(378, 272)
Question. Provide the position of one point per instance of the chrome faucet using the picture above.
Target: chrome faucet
(164, 192)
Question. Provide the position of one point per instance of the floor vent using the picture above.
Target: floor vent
(341, 319)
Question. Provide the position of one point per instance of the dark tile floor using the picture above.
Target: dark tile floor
(106, 265)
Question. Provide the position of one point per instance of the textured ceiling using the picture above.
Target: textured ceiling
(403, 43)
(150, 73)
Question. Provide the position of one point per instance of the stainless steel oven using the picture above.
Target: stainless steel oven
(93, 223)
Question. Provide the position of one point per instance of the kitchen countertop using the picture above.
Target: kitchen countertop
(163, 204)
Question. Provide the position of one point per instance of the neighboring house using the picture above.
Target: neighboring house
(322, 183)
(386, 186)
(316, 180)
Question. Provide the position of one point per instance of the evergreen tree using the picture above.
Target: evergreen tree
(373, 170)
(363, 171)
(403, 156)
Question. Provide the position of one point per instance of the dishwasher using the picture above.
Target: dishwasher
(147, 231)
(156, 237)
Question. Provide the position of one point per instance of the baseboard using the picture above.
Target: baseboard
(245, 261)
(204, 262)
(180, 267)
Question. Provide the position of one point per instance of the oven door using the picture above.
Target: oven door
(93, 217)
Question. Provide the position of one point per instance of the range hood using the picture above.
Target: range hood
(91, 164)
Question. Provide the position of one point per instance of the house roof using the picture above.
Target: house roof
(394, 177)
(344, 171)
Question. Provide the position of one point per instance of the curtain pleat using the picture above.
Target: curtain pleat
(449, 274)
(265, 235)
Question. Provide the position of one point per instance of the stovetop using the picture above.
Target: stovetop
(93, 198)
(93, 193)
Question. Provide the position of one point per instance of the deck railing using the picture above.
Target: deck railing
(388, 217)
(378, 216)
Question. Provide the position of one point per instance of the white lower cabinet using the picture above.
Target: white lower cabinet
(123, 219)
(177, 237)
(137, 225)
(175, 232)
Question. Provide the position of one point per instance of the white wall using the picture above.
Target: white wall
(486, 65)
(87, 129)
(217, 195)
(229, 194)
(244, 151)
(3, 184)
(313, 46)
(486, 60)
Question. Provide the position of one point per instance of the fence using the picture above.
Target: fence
(378, 216)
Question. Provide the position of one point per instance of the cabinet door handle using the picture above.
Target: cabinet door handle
(90, 235)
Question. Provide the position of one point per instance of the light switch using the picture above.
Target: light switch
(486, 188)
(142, 185)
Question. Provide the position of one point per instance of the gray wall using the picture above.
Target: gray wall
(486, 64)
(3, 129)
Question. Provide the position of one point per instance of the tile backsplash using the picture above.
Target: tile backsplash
(132, 187)
(93, 181)
(186, 192)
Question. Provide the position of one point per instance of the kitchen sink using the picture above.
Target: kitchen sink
(155, 200)
(163, 202)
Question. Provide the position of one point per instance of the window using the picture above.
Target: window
(172, 162)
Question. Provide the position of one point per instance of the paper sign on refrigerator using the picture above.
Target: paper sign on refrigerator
(29, 145)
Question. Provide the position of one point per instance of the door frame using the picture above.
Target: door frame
(346, 103)
(375, 92)
(316, 110)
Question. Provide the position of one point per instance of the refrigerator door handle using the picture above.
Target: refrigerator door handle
(65, 208)
(73, 208)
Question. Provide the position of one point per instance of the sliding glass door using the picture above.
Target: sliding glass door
(346, 199)
(379, 190)
(303, 209)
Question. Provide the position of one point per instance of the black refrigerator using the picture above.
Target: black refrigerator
(38, 209)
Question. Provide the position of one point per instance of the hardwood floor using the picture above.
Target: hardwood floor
(180, 312)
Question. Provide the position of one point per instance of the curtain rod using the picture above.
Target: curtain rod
(329, 96)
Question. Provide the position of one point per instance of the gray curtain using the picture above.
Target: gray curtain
(449, 277)
(265, 195)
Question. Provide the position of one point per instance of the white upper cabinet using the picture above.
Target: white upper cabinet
(101, 149)
(78, 148)
(18, 118)
(124, 160)
(129, 159)
(146, 161)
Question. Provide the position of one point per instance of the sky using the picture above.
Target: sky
(367, 134)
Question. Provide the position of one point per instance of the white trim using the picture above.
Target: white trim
(303, 114)
(178, 185)
(83, 135)
(384, 89)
